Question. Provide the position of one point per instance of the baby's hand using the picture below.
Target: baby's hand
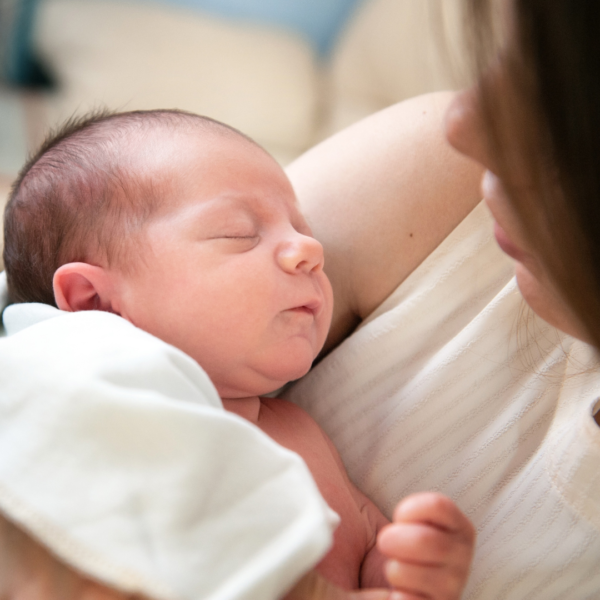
(430, 546)
(315, 587)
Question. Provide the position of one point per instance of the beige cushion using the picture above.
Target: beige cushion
(266, 82)
(392, 50)
(128, 56)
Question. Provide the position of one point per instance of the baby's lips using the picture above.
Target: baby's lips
(314, 305)
(304, 310)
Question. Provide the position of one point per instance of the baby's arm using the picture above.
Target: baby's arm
(430, 547)
(425, 552)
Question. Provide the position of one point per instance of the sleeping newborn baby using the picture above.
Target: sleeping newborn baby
(191, 231)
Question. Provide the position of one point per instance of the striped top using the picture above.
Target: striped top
(453, 384)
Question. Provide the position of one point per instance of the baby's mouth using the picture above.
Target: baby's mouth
(312, 307)
(303, 309)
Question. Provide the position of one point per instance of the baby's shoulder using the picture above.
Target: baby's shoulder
(281, 406)
(289, 412)
(283, 420)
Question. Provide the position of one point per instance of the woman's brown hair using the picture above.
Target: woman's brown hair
(547, 124)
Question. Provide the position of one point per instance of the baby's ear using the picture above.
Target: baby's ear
(80, 286)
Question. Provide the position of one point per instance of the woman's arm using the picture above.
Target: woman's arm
(381, 196)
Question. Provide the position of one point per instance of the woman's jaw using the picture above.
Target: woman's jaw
(534, 283)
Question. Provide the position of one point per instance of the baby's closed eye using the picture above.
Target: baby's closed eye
(236, 241)
(233, 229)
(237, 236)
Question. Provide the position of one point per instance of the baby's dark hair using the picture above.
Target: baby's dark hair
(79, 195)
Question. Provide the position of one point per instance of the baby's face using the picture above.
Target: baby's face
(231, 273)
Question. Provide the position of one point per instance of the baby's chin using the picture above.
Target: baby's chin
(285, 373)
(260, 382)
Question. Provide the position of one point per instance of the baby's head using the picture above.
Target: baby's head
(184, 227)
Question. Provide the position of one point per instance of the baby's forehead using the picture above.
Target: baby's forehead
(211, 155)
(180, 152)
(200, 133)
(208, 164)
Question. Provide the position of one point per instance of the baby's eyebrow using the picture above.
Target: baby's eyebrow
(251, 206)
(217, 204)
(231, 206)
(219, 212)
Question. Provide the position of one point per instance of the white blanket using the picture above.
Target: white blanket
(116, 453)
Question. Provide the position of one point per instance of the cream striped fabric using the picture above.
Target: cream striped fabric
(454, 385)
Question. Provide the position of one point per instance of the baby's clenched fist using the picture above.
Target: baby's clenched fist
(430, 546)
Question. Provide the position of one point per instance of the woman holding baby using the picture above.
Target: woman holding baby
(451, 381)
(448, 382)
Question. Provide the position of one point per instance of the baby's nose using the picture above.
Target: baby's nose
(301, 253)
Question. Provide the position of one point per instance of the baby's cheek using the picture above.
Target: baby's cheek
(327, 312)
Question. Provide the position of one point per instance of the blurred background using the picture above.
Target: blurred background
(286, 72)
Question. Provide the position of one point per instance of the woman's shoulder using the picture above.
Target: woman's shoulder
(381, 196)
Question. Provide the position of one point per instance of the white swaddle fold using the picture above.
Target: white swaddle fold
(116, 453)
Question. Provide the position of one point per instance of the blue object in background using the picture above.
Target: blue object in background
(319, 21)
(19, 66)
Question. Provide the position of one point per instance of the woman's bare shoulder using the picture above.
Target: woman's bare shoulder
(381, 196)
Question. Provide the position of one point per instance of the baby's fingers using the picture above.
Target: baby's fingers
(436, 510)
(423, 544)
(422, 582)
(431, 546)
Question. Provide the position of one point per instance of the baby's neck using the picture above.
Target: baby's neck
(247, 408)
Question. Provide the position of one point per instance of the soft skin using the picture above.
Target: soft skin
(227, 270)
(466, 132)
(231, 273)
(381, 196)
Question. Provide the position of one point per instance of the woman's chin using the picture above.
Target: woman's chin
(546, 303)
